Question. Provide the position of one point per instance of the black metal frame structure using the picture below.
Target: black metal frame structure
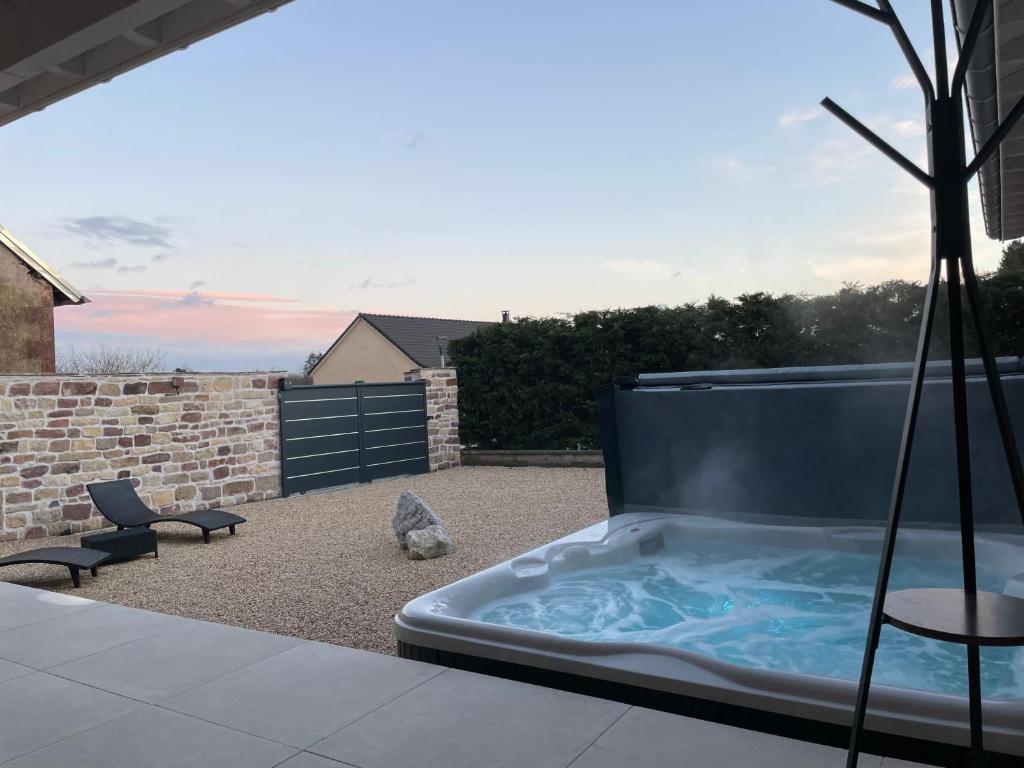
(966, 616)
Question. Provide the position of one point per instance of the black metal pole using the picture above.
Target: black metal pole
(939, 45)
(963, 463)
(963, 450)
(877, 142)
(895, 508)
(995, 385)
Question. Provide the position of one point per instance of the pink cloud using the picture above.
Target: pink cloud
(205, 319)
(216, 295)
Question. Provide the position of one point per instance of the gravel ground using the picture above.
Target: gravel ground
(327, 566)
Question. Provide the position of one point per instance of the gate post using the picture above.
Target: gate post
(442, 386)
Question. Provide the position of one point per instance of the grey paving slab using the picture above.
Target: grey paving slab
(892, 762)
(309, 760)
(81, 633)
(20, 605)
(463, 720)
(39, 709)
(157, 738)
(7, 588)
(175, 660)
(304, 694)
(9, 670)
(644, 738)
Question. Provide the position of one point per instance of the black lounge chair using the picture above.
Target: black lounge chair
(117, 501)
(73, 557)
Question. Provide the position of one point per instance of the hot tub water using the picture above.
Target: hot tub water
(765, 607)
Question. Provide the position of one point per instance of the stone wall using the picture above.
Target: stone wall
(187, 442)
(26, 318)
(442, 415)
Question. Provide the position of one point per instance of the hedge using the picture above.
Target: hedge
(529, 384)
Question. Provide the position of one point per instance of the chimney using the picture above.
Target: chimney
(504, 315)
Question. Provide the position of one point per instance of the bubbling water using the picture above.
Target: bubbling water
(772, 608)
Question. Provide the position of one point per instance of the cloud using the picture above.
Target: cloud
(97, 264)
(213, 323)
(195, 284)
(641, 268)
(135, 268)
(903, 82)
(161, 257)
(798, 116)
(194, 299)
(871, 270)
(369, 283)
(228, 298)
(736, 169)
(906, 127)
(895, 247)
(834, 160)
(119, 229)
(414, 140)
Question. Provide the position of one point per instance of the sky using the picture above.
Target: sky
(235, 204)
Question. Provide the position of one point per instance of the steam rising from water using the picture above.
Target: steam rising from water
(764, 607)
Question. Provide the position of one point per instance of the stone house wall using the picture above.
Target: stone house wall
(26, 318)
(442, 415)
(187, 442)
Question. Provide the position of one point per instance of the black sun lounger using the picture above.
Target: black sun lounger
(117, 501)
(73, 557)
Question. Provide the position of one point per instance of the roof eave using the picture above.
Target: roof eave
(64, 293)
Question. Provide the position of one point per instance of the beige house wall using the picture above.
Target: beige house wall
(363, 354)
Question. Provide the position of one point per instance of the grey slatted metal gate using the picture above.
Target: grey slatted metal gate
(353, 433)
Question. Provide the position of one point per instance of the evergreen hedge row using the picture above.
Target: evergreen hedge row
(529, 384)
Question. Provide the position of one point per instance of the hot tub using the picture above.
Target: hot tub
(762, 622)
(734, 577)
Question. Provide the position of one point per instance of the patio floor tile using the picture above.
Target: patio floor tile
(9, 670)
(39, 709)
(173, 661)
(304, 694)
(464, 720)
(157, 738)
(45, 643)
(644, 738)
(309, 760)
(20, 605)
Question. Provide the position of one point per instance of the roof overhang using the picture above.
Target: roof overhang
(51, 49)
(63, 291)
(994, 84)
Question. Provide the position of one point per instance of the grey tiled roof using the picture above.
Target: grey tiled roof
(417, 336)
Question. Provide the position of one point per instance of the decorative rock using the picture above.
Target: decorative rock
(426, 543)
(413, 514)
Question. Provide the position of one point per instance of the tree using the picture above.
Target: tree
(311, 361)
(1012, 259)
(530, 383)
(103, 360)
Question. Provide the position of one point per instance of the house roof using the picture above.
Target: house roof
(63, 291)
(51, 49)
(995, 82)
(416, 337)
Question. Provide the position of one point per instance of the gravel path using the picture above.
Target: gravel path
(327, 566)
